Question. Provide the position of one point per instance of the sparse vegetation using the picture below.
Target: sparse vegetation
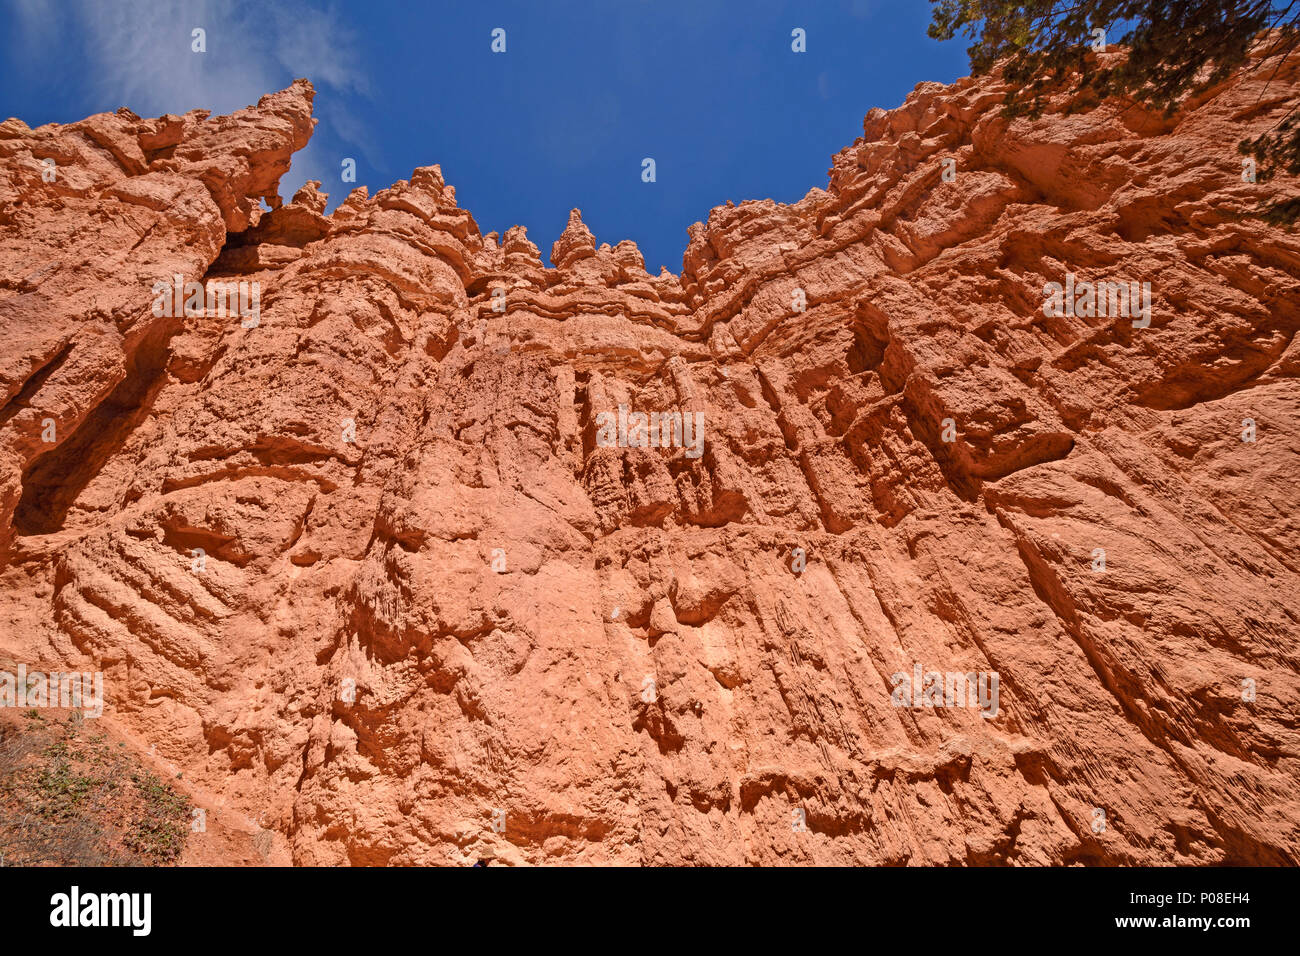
(1175, 48)
(69, 797)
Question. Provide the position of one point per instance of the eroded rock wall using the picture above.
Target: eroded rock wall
(369, 574)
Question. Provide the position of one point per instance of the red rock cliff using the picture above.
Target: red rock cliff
(371, 575)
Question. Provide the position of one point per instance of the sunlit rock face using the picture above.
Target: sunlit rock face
(947, 516)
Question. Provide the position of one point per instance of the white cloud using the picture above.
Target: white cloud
(317, 41)
(137, 53)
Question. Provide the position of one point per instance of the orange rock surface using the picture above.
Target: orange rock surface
(370, 574)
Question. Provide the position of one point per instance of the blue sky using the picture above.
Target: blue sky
(584, 92)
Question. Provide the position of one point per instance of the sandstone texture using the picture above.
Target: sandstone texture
(366, 576)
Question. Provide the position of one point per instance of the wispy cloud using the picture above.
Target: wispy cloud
(139, 54)
(317, 39)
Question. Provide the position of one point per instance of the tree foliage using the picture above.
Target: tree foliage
(1175, 49)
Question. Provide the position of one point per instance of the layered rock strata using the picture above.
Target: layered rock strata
(364, 565)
